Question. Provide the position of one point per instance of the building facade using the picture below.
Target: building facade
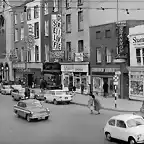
(136, 69)
(109, 44)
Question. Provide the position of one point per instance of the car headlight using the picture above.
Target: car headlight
(139, 136)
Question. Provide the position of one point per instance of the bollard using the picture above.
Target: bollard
(115, 89)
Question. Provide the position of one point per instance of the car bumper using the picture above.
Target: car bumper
(65, 100)
(40, 117)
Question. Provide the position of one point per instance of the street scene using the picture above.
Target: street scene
(66, 124)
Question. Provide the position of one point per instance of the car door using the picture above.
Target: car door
(121, 130)
(111, 127)
(20, 109)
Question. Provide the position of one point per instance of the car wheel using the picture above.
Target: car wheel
(28, 118)
(108, 136)
(16, 112)
(131, 141)
(68, 102)
(55, 102)
(46, 118)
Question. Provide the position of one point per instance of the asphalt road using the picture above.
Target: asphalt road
(68, 124)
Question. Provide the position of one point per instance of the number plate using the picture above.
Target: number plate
(66, 97)
(43, 117)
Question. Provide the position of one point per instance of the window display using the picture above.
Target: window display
(96, 83)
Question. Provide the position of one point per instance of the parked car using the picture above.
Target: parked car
(18, 87)
(58, 96)
(6, 89)
(125, 127)
(20, 95)
(31, 109)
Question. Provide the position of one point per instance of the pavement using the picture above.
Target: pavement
(123, 105)
(68, 124)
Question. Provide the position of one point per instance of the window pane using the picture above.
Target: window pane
(137, 52)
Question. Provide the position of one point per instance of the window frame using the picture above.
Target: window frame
(80, 46)
(108, 55)
(121, 121)
(69, 50)
(29, 15)
(68, 23)
(112, 120)
(80, 2)
(67, 4)
(98, 35)
(37, 59)
(36, 12)
(22, 37)
(108, 33)
(80, 20)
(36, 30)
(16, 35)
(97, 61)
(140, 61)
(46, 8)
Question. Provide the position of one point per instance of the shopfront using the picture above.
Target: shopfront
(75, 73)
(101, 76)
(136, 83)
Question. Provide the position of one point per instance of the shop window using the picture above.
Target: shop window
(138, 55)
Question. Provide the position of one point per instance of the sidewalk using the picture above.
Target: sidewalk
(123, 105)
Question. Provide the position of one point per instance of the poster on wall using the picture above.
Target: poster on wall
(96, 84)
(56, 32)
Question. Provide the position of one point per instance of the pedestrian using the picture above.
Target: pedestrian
(27, 92)
(105, 89)
(82, 88)
(91, 104)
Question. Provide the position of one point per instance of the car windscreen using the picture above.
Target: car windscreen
(60, 93)
(135, 122)
(34, 104)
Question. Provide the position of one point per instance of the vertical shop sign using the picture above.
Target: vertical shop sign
(56, 32)
(120, 40)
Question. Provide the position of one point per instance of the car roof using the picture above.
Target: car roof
(29, 101)
(125, 117)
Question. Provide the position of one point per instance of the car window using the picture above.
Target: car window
(20, 104)
(60, 93)
(135, 122)
(111, 122)
(121, 124)
(52, 92)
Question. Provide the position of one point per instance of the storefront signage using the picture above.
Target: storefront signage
(57, 54)
(74, 68)
(138, 40)
(78, 56)
(105, 69)
(56, 32)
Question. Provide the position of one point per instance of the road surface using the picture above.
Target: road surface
(68, 124)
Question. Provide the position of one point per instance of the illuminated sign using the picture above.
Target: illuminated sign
(56, 32)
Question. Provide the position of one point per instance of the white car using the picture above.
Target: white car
(6, 89)
(18, 87)
(125, 127)
(57, 96)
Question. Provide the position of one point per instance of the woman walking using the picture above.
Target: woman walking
(94, 104)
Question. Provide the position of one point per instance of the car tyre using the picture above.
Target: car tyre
(108, 136)
(28, 118)
(55, 102)
(131, 141)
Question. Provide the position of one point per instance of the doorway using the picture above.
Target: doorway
(30, 79)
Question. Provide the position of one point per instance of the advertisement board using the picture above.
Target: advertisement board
(56, 32)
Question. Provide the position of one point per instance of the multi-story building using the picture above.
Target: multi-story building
(104, 43)
(136, 68)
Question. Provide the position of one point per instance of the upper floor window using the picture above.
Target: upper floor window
(16, 34)
(98, 55)
(107, 33)
(36, 53)
(98, 35)
(80, 46)
(36, 11)
(55, 6)
(15, 18)
(36, 30)
(80, 20)
(108, 55)
(68, 23)
(68, 48)
(22, 33)
(22, 17)
(138, 55)
(46, 28)
(80, 2)
(47, 52)
(67, 3)
(46, 8)
(28, 14)
(29, 55)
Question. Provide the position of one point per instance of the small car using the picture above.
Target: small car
(58, 96)
(20, 95)
(6, 89)
(31, 109)
(125, 127)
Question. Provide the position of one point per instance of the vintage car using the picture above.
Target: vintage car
(31, 109)
(125, 127)
(6, 89)
(18, 87)
(58, 96)
(39, 96)
(19, 95)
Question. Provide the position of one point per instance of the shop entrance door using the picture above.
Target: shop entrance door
(66, 82)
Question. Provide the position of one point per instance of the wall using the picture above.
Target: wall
(32, 21)
(137, 32)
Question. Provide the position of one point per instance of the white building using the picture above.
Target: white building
(136, 69)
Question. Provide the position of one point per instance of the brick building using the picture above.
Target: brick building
(103, 44)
